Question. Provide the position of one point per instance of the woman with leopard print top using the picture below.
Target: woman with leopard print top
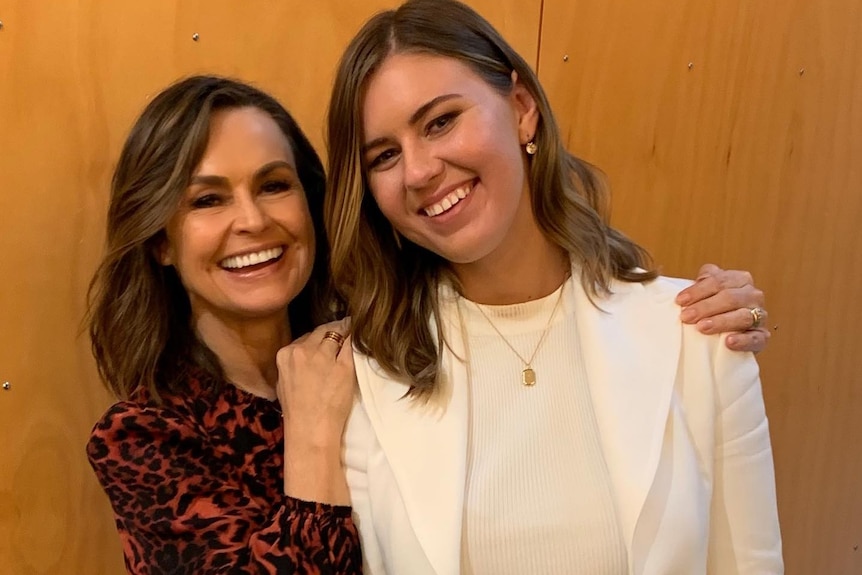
(223, 455)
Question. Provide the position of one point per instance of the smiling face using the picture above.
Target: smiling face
(242, 239)
(443, 153)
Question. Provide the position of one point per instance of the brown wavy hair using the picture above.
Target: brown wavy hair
(389, 283)
(139, 316)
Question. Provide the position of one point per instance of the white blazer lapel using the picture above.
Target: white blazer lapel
(426, 445)
(631, 349)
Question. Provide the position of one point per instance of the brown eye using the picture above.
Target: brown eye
(275, 187)
(206, 201)
(381, 158)
(440, 123)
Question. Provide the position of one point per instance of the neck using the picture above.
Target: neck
(246, 348)
(532, 269)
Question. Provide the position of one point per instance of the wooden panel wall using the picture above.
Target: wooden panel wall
(73, 75)
(732, 132)
(719, 147)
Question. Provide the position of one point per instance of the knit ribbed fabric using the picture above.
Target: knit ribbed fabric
(538, 498)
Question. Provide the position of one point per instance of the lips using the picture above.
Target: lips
(448, 202)
(244, 261)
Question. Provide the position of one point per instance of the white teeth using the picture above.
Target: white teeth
(244, 261)
(446, 203)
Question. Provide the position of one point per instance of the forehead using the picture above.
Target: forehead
(404, 82)
(244, 137)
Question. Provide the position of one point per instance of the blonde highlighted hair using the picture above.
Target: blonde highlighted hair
(390, 284)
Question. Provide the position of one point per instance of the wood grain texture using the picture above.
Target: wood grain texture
(73, 76)
(731, 131)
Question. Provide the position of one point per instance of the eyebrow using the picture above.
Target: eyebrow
(414, 118)
(262, 172)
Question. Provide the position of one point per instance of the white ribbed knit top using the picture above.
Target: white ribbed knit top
(538, 498)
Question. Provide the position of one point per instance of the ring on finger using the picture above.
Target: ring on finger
(334, 336)
(758, 314)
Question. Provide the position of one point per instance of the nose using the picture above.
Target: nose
(421, 165)
(251, 216)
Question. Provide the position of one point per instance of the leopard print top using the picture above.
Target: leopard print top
(196, 484)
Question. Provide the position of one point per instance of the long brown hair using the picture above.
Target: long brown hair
(388, 282)
(139, 313)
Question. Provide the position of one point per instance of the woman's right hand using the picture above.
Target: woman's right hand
(316, 387)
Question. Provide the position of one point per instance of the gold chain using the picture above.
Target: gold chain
(528, 374)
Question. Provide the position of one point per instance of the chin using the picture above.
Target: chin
(465, 256)
(261, 309)
(472, 246)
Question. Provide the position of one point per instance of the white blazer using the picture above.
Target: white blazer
(682, 427)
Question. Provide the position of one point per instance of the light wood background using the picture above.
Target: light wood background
(742, 159)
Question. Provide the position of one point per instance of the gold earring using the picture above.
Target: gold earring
(531, 147)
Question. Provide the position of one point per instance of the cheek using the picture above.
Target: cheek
(386, 194)
(194, 242)
(496, 138)
(299, 224)
(292, 215)
(295, 219)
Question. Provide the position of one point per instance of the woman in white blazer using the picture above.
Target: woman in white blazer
(530, 402)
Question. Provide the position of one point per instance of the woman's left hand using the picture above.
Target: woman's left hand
(726, 301)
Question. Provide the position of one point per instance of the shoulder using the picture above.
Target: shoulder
(134, 417)
(663, 288)
(654, 301)
(129, 429)
(133, 428)
(143, 409)
(732, 374)
(670, 285)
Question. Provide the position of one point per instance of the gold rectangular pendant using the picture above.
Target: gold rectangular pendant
(528, 377)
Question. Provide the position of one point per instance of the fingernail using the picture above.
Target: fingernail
(683, 299)
(704, 325)
(731, 340)
(688, 315)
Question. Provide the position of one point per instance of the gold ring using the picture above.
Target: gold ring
(334, 336)
(758, 314)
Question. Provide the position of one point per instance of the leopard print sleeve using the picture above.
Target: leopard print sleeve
(184, 507)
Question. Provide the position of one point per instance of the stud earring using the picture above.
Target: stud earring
(531, 147)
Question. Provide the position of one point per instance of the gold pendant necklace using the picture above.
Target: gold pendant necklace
(528, 374)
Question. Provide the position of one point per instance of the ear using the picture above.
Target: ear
(163, 252)
(526, 110)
